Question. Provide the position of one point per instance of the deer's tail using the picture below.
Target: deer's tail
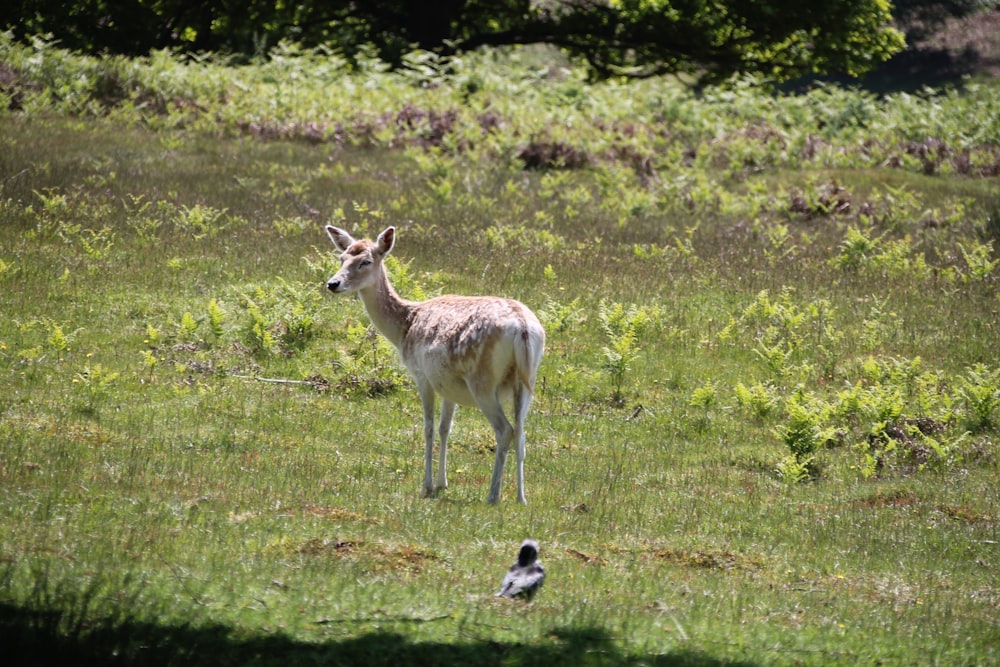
(528, 355)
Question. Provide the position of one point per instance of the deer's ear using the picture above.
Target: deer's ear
(386, 240)
(341, 239)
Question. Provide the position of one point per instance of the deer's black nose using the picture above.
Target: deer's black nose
(333, 285)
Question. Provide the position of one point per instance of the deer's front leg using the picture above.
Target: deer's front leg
(447, 415)
(427, 400)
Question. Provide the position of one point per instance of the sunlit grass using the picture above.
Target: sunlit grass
(165, 501)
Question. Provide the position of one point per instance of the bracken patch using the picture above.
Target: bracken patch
(963, 513)
(893, 498)
(405, 557)
(335, 513)
(553, 155)
(589, 559)
(317, 546)
(708, 559)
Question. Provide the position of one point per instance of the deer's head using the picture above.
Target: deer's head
(360, 261)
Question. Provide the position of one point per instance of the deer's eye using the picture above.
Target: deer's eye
(365, 262)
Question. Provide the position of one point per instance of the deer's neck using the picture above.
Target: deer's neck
(388, 311)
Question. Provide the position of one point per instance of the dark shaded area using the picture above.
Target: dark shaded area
(911, 71)
(915, 69)
(942, 52)
(32, 638)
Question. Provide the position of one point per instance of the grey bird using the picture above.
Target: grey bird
(524, 577)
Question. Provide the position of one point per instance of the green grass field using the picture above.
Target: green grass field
(765, 428)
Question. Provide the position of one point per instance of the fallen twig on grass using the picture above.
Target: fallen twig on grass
(311, 383)
(317, 382)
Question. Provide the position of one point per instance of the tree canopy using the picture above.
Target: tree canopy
(707, 38)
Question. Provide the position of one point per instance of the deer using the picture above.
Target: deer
(474, 351)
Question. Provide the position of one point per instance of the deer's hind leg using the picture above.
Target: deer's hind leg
(504, 432)
(522, 402)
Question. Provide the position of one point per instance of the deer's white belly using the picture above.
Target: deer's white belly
(458, 379)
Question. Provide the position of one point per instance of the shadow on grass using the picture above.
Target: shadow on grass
(30, 638)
